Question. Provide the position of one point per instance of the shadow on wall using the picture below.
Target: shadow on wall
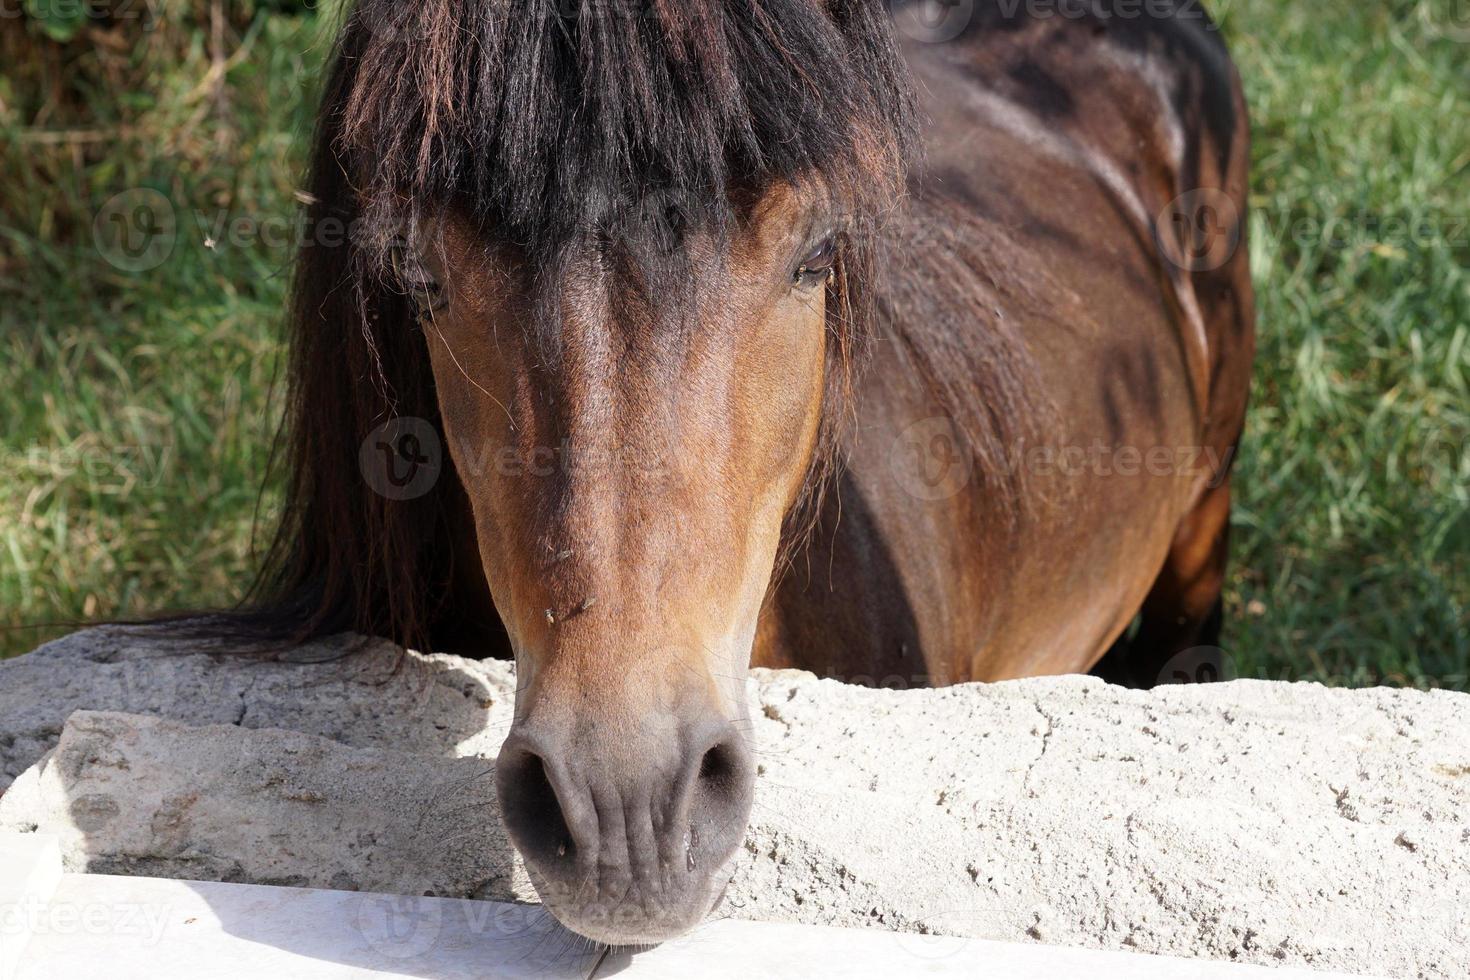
(150, 797)
(335, 802)
(407, 936)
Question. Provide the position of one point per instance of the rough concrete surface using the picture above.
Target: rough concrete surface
(1252, 821)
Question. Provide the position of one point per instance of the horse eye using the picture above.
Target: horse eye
(415, 281)
(429, 296)
(818, 264)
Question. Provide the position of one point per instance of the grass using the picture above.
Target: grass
(138, 408)
(1352, 549)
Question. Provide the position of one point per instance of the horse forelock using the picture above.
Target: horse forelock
(543, 118)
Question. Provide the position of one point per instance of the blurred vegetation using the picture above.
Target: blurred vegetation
(138, 408)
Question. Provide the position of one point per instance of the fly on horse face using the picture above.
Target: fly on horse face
(757, 332)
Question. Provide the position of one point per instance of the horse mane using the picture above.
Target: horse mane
(953, 296)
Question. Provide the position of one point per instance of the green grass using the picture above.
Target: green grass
(138, 408)
(1352, 548)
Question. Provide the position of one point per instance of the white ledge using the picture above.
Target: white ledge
(130, 927)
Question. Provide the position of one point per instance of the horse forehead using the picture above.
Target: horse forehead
(601, 305)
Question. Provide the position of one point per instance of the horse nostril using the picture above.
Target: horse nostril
(718, 766)
(720, 803)
(531, 809)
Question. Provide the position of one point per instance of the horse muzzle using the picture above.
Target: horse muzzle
(626, 828)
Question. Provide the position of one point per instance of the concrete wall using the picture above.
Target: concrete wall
(1253, 821)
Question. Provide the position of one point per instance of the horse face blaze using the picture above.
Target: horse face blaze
(629, 473)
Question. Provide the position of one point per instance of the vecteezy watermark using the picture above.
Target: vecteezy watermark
(937, 21)
(929, 460)
(1199, 230)
(477, 460)
(1365, 677)
(62, 20)
(108, 469)
(136, 230)
(1198, 665)
(1099, 458)
(1385, 234)
(405, 927)
(34, 917)
(402, 458)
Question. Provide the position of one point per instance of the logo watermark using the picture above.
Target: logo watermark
(933, 21)
(402, 458)
(945, 934)
(1199, 665)
(929, 460)
(1449, 19)
(1442, 460)
(1199, 230)
(408, 927)
(136, 231)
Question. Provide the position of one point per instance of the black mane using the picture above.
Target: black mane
(547, 117)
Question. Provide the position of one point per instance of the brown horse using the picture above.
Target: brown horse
(658, 273)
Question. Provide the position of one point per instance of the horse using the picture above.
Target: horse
(647, 342)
